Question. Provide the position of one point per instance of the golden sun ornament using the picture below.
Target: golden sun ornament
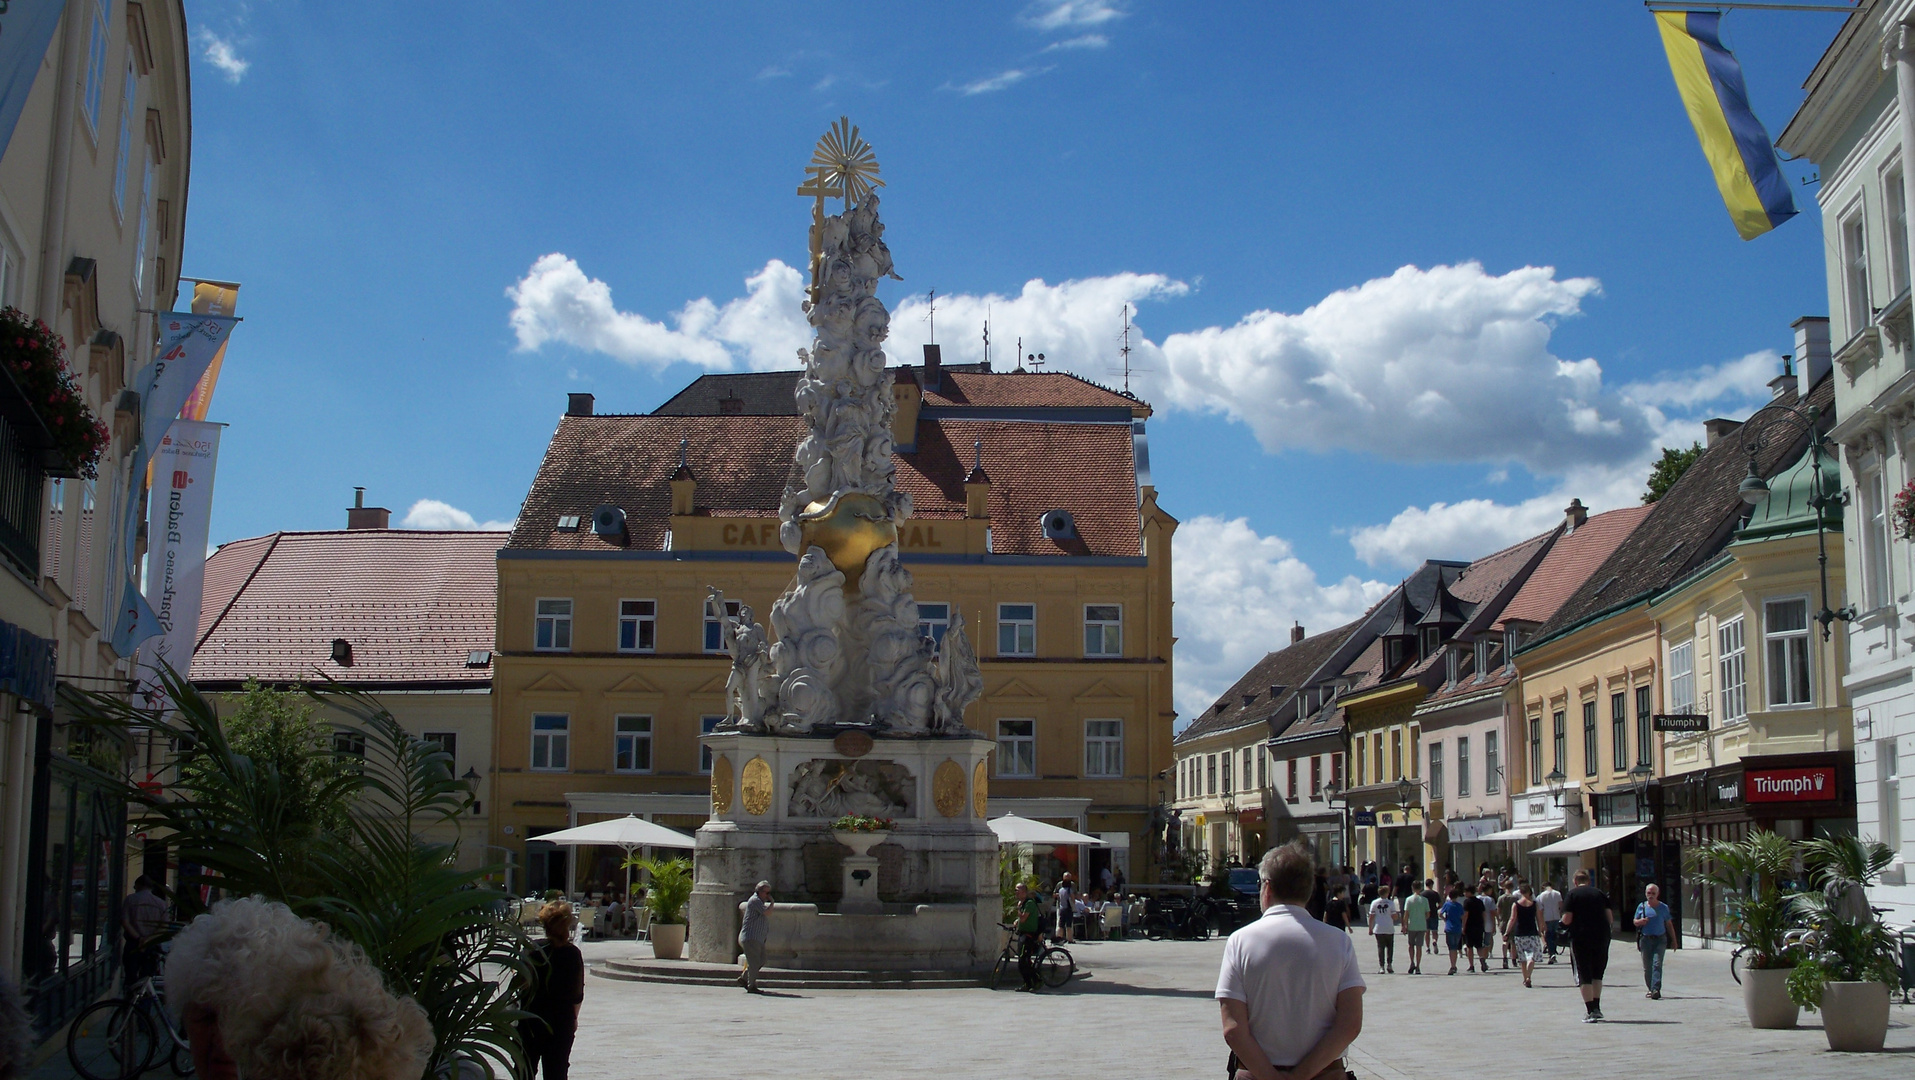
(843, 160)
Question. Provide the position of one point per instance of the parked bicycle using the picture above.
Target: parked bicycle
(1190, 920)
(1055, 965)
(119, 1039)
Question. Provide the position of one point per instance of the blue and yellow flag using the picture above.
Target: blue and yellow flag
(1738, 149)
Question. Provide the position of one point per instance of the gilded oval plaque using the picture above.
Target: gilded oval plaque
(757, 787)
(852, 744)
(980, 799)
(947, 788)
(720, 784)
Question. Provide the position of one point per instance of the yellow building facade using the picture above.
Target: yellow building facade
(1034, 521)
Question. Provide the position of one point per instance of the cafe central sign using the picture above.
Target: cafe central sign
(763, 533)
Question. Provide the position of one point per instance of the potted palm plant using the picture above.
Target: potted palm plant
(665, 897)
(1849, 961)
(1750, 873)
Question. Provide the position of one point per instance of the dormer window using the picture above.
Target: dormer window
(1432, 640)
(1454, 661)
(1482, 657)
(1393, 653)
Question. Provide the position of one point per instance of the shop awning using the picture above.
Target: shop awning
(1590, 839)
(1522, 832)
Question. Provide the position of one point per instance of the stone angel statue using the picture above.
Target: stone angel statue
(959, 682)
(749, 690)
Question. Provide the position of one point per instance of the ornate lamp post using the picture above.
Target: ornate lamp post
(1755, 490)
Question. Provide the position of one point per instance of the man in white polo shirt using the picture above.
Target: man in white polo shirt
(1291, 995)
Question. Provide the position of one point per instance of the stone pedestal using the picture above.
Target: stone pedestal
(930, 898)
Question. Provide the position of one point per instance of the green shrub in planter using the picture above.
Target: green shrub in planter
(1848, 943)
(1750, 873)
(669, 890)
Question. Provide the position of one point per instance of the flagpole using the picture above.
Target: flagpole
(1753, 5)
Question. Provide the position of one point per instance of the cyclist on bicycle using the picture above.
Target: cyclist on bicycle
(142, 920)
(1030, 932)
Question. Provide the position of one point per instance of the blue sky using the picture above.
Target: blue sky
(1385, 259)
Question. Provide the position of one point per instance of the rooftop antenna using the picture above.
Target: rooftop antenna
(1035, 360)
(1019, 355)
(931, 316)
(987, 337)
(1124, 352)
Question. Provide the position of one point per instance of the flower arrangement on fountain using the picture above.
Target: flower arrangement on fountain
(1905, 511)
(33, 356)
(858, 823)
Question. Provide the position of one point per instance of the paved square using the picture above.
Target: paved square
(1145, 1009)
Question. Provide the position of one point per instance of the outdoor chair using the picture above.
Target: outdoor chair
(644, 927)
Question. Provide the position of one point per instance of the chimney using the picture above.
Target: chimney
(933, 369)
(578, 404)
(1574, 515)
(907, 397)
(1785, 382)
(1296, 633)
(1719, 428)
(684, 484)
(361, 516)
(977, 486)
(1812, 356)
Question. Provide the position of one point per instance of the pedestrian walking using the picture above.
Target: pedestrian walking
(1319, 896)
(142, 921)
(1505, 903)
(1487, 894)
(1524, 928)
(1551, 902)
(1066, 908)
(557, 991)
(1337, 912)
(1454, 913)
(1416, 917)
(1405, 884)
(1384, 915)
(1029, 927)
(753, 932)
(1435, 899)
(1289, 988)
(1586, 917)
(1475, 913)
(1654, 932)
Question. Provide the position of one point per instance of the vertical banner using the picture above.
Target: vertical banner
(186, 347)
(26, 29)
(182, 508)
(209, 298)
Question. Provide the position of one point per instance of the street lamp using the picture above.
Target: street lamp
(1339, 797)
(1558, 784)
(1755, 490)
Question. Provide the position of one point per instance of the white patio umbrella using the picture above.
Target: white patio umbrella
(1011, 829)
(627, 833)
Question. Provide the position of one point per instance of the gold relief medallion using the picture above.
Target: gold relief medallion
(980, 797)
(947, 788)
(757, 787)
(720, 784)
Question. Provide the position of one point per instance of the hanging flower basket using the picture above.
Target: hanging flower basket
(42, 401)
(1905, 511)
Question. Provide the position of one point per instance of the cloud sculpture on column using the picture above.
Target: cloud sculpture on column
(849, 653)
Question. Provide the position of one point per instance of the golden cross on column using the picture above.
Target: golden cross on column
(819, 188)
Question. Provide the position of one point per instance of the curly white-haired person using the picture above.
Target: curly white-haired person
(268, 994)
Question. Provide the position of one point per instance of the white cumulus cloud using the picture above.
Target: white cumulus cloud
(1082, 41)
(555, 301)
(441, 517)
(222, 53)
(1071, 14)
(1238, 593)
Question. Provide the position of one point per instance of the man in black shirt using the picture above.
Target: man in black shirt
(1473, 916)
(1586, 917)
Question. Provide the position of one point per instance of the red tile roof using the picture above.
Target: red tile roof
(414, 605)
(1568, 564)
(1027, 389)
(741, 463)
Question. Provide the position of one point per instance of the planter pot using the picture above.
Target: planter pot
(1765, 997)
(860, 843)
(1855, 1016)
(668, 940)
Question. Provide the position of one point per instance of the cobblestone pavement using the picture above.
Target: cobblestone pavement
(1146, 1009)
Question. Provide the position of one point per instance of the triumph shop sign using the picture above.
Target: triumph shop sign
(1816, 783)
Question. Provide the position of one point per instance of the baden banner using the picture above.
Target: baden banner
(26, 29)
(182, 507)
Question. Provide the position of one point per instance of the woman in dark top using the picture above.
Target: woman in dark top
(1525, 931)
(557, 988)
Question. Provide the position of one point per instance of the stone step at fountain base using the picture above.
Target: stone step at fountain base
(687, 973)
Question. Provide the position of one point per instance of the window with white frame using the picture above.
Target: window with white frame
(715, 627)
(1874, 514)
(1589, 738)
(1891, 794)
(129, 95)
(1618, 731)
(1895, 209)
(146, 205)
(1561, 747)
(95, 68)
(553, 629)
(1682, 677)
(448, 741)
(1645, 734)
(1462, 767)
(1855, 304)
(1535, 750)
(1316, 775)
(706, 725)
(1244, 769)
(1263, 770)
(632, 744)
(1436, 770)
(934, 620)
(551, 741)
(1492, 762)
(1017, 748)
(1103, 748)
(1228, 788)
(1785, 636)
(1291, 788)
(1017, 629)
(1733, 663)
(1103, 630)
(1210, 774)
(637, 625)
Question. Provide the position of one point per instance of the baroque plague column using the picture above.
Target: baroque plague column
(850, 712)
